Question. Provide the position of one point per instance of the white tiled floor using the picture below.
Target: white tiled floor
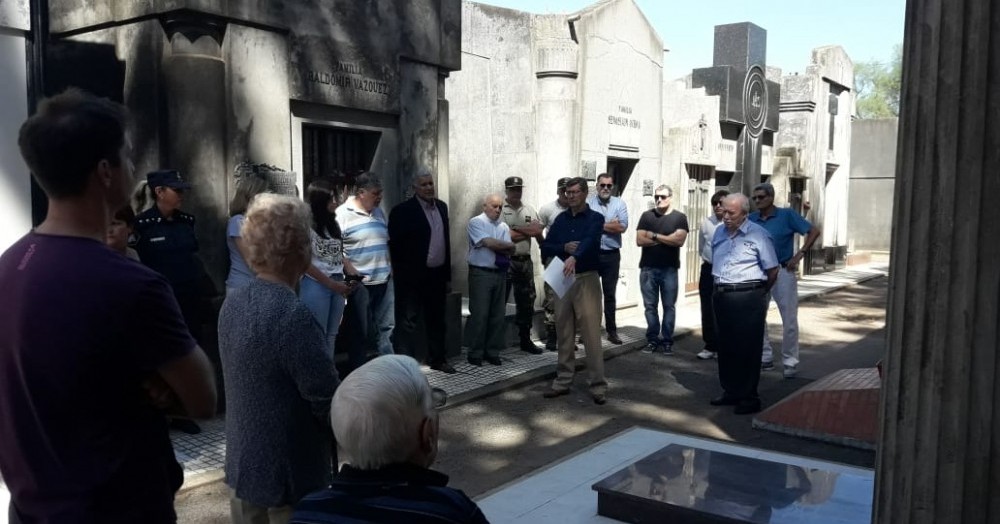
(563, 492)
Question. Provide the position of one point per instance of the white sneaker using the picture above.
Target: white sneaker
(706, 354)
(790, 371)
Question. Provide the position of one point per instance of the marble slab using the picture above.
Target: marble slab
(563, 492)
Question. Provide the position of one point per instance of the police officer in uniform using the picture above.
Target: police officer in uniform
(524, 225)
(167, 245)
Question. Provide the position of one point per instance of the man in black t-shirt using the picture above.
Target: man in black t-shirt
(661, 233)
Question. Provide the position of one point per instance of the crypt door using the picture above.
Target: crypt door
(701, 186)
(337, 152)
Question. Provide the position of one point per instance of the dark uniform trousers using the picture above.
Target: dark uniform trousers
(521, 277)
(741, 315)
(420, 305)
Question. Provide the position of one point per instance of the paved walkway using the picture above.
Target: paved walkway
(202, 455)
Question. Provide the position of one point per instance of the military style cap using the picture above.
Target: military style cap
(166, 177)
(561, 183)
(513, 181)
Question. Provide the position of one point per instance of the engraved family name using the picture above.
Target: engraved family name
(348, 75)
(624, 121)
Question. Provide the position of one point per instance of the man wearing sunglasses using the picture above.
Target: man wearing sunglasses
(782, 224)
(661, 233)
(615, 223)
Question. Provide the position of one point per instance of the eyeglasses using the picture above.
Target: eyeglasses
(661, 197)
(606, 186)
(759, 197)
(719, 203)
(570, 192)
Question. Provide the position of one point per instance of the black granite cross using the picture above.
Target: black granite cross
(748, 100)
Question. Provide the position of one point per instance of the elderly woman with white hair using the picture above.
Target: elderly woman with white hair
(279, 378)
(386, 424)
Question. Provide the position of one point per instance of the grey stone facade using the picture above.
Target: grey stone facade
(812, 150)
(872, 186)
(308, 86)
(550, 96)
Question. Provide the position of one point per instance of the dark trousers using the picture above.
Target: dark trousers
(485, 326)
(521, 278)
(705, 289)
(420, 300)
(609, 264)
(740, 316)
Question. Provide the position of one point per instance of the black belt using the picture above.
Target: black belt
(490, 269)
(742, 286)
(520, 257)
(610, 250)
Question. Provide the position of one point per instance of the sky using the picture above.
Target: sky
(866, 29)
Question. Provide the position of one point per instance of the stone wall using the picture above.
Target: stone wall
(873, 180)
(15, 186)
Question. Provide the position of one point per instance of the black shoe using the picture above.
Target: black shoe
(185, 425)
(494, 360)
(553, 393)
(443, 367)
(724, 401)
(550, 344)
(747, 407)
(476, 361)
(529, 347)
(613, 337)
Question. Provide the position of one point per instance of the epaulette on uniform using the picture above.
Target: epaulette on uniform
(186, 217)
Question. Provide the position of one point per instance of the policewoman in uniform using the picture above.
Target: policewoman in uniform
(167, 243)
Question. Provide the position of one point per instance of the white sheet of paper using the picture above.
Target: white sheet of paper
(556, 280)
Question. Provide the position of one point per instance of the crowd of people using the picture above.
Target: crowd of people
(306, 277)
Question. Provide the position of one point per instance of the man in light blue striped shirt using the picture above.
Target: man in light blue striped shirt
(744, 267)
(366, 245)
(615, 223)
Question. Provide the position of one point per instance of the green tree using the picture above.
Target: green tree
(877, 85)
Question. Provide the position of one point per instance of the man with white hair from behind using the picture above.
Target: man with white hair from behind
(386, 425)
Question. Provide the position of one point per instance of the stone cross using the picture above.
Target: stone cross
(748, 106)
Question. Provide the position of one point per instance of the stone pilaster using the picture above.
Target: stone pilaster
(939, 454)
(193, 80)
(556, 121)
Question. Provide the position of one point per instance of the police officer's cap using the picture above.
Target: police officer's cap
(167, 177)
(561, 183)
(513, 181)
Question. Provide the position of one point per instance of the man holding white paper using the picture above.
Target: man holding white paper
(574, 238)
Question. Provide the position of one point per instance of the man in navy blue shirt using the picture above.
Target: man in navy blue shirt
(782, 224)
(575, 238)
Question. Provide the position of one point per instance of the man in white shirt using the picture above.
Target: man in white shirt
(490, 248)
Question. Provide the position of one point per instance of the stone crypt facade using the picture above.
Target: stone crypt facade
(310, 87)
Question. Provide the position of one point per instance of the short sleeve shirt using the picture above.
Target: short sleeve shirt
(81, 327)
(782, 226)
(480, 228)
(239, 272)
(661, 255)
(744, 256)
(516, 217)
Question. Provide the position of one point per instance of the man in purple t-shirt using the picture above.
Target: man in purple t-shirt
(92, 344)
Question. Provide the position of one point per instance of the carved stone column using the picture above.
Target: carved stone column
(939, 454)
(194, 83)
(556, 66)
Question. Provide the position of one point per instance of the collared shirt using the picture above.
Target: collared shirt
(481, 228)
(612, 209)
(782, 225)
(366, 241)
(705, 235)
(435, 250)
(744, 256)
(548, 213)
(394, 493)
(516, 217)
(584, 227)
